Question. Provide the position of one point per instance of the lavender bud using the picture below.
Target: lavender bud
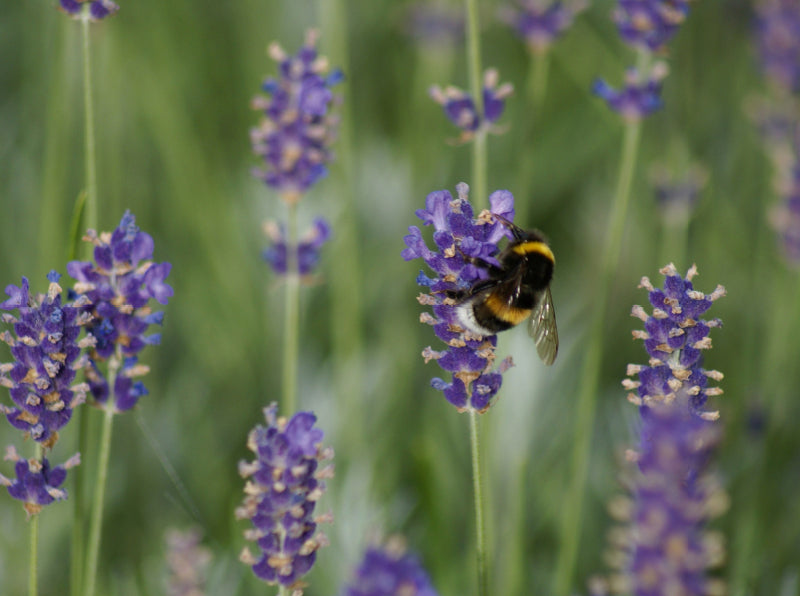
(539, 23)
(297, 129)
(47, 354)
(641, 95)
(286, 481)
(667, 549)
(36, 483)
(116, 290)
(459, 106)
(389, 571)
(308, 249)
(459, 237)
(97, 11)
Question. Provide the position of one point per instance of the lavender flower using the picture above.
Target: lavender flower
(541, 22)
(117, 288)
(667, 550)
(36, 483)
(460, 109)
(434, 25)
(389, 571)
(778, 38)
(98, 9)
(287, 482)
(641, 95)
(297, 130)
(785, 217)
(187, 560)
(47, 354)
(308, 248)
(677, 195)
(649, 24)
(458, 236)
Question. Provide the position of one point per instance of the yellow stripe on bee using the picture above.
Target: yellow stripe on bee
(504, 311)
(526, 248)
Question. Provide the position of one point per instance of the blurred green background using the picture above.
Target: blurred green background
(173, 82)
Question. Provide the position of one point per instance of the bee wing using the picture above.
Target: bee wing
(542, 328)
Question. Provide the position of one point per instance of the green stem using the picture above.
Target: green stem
(33, 588)
(346, 300)
(675, 244)
(477, 487)
(91, 164)
(33, 582)
(479, 191)
(283, 591)
(292, 318)
(96, 524)
(590, 375)
(76, 561)
(538, 81)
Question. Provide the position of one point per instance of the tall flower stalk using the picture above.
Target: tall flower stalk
(115, 290)
(475, 376)
(85, 215)
(293, 138)
(664, 547)
(645, 25)
(47, 354)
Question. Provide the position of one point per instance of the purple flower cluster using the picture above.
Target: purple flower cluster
(117, 288)
(649, 24)
(36, 483)
(389, 571)
(459, 106)
(98, 9)
(459, 238)
(297, 129)
(286, 481)
(308, 248)
(541, 22)
(668, 550)
(641, 95)
(778, 38)
(47, 354)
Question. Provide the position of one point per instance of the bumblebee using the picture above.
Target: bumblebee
(519, 288)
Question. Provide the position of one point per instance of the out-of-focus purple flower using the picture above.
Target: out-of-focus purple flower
(677, 195)
(540, 22)
(36, 483)
(778, 38)
(187, 561)
(459, 237)
(435, 24)
(47, 354)
(308, 249)
(297, 129)
(641, 95)
(286, 481)
(389, 571)
(97, 9)
(117, 288)
(649, 24)
(459, 106)
(785, 216)
(668, 550)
